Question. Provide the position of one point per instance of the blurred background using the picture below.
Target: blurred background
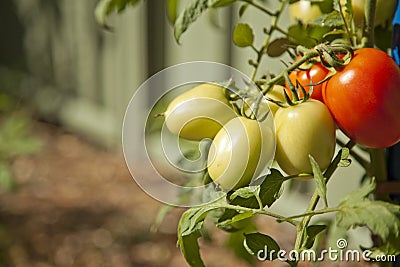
(66, 196)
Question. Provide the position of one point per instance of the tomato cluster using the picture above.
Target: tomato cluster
(241, 148)
(362, 97)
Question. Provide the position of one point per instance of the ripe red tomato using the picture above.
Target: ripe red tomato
(364, 99)
(315, 74)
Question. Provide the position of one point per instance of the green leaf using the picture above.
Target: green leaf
(319, 180)
(344, 158)
(221, 3)
(261, 245)
(360, 194)
(311, 233)
(271, 187)
(106, 7)
(277, 47)
(243, 35)
(235, 243)
(270, 191)
(190, 249)
(172, 10)
(382, 218)
(189, 230)
(307, 35)
(246, 192)
(243, 9)
(189, 15)
(332, 19)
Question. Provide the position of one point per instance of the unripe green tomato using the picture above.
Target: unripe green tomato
(276, 93)
(384, 11)
(240, 152)
(199, 113)
(303, 130)
(304, 11)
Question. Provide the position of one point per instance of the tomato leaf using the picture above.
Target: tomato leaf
(106, 7)
(190, 14)
(261, 245)
(319, 180)
(189, 230)
(190, 249)
(172, 10)
(344, 158)
(243, 9)
(277, 47)
(332, 19)
(307, 35)
(246, 192)
(312, 231)
(270, 191)
(382, 218)
(235, 243)
(243, 35)
(221, 3)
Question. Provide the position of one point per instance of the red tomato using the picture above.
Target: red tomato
(364, 99)
(313, 75)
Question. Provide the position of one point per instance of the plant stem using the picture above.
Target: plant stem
(274, 26)
(312, 213)
(368, 35)
(260, 7)
(301, 227)
(379, 171)
(260, 211)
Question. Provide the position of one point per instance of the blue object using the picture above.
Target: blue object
(393, 155)
(393, 158)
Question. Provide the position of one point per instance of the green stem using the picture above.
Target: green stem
(259, 211)
(311, 213)
(370, 7)
(274, 25)
(301, 227)
(260, 7)
(346, 27)
(379, 171)
(307, 56)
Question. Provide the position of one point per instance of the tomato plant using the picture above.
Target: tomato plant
(302, 130)
(363, 98)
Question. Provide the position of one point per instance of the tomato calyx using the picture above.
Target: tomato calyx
(335, 56)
